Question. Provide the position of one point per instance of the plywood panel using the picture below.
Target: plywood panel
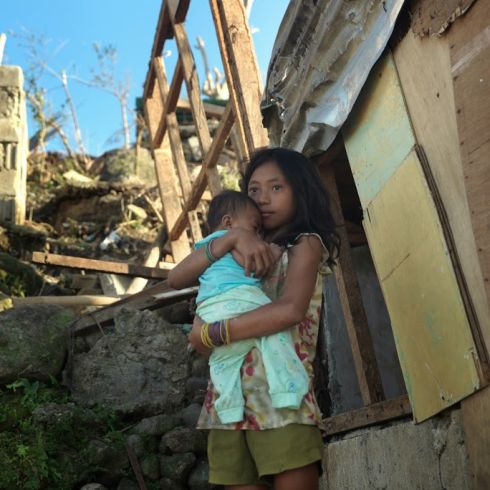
(430, 326)
(430, 102)
(386, 137)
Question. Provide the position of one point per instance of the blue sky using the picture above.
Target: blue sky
(130, 27)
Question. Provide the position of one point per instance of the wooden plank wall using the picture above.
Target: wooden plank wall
(430, 103)
(402, 225)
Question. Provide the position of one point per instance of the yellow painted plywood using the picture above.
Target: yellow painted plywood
(431, 330)
(378, 134)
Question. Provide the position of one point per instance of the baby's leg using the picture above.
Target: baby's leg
(224, 367)
(286, 375)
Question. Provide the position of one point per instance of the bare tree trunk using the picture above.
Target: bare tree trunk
(124, 113)
(78, 133)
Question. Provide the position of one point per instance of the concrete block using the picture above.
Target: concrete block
(11, 76)
(401, 456)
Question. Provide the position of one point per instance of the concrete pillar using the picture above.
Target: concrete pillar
(13, 145)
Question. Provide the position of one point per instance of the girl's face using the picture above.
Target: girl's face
(273, 194)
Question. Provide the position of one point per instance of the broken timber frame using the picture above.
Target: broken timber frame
(161, 100)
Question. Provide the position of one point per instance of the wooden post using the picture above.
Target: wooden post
(350, 297)
(194, 94)
(165, 175)
(238, 55)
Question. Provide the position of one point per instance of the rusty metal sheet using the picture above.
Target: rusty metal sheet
(322, 56)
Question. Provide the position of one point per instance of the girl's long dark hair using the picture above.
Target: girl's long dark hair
(312, 202)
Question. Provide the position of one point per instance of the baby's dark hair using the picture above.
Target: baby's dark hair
(313, 213)
(227, 202)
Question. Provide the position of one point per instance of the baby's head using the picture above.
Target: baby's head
(232, 209)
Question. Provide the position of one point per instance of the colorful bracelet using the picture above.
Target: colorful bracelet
(209, 254)
(215, 334)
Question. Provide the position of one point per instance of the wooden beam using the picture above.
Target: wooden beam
(176, 145)
(372, 414)
(243, 78)
(210, 161)
(170, 98)
(110, 267)
(365, 363)
(165, 175)
(77, 300)
(212, 110)
(162, 33)
(151, 298)
(194, 94)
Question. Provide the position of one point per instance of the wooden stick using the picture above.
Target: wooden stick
(110, 267)
(151, 298)
(360, 339)
(373, 414)
(80, 300)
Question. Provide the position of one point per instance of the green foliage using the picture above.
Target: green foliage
(52, 453)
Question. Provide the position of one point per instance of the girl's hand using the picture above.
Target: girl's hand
(256, 254)
(195, 338)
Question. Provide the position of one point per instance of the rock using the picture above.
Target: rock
(150, 466)
(110, 460)
(157, 425)
(183, 440)
(93, 486)
(53, 413)
(199, 477)
(127, 484)
(18, 278)
(190, 415)
(177, 467)
(137, 444)
(200, 367)
(195, 149)
(168, 484)
(33, 342)
(176, 313)
(195, 389)
(141, 368)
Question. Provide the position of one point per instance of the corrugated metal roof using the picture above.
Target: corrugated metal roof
(322, 56)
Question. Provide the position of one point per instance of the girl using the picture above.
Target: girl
(272, 445)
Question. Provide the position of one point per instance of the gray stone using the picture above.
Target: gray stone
(33, 342)
(177, 467)
(190, 415)
(127, 484)
(200, 367)
(403, 456)
(141, 368)
(157, 425)
(196, 388)
(53, 413)
(110, 460)
(150, 466)
(183, 440)
(195, 149)
(137, 444)
(93, 486)
(168, 484)
(199, 477)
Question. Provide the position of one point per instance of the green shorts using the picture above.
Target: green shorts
(247, 457)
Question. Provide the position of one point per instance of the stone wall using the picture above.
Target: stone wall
(13, 145)
(401, 455)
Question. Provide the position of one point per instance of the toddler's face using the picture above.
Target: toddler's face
(250, 219)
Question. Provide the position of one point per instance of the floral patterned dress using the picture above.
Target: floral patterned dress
(259, 412)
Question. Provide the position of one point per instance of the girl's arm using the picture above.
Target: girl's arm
(257, 257)
(290, 308)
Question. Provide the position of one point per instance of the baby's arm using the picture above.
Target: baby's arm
(286, 311)
(254, 253)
